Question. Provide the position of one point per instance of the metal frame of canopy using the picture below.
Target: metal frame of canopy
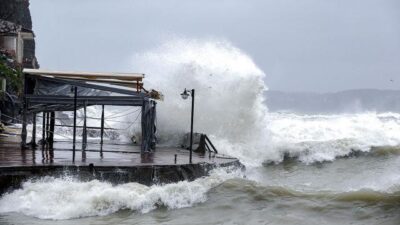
(118, 89)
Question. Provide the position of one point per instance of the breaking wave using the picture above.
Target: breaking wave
(66, 198)
(319, 138)
(229, 89)
(229, 107)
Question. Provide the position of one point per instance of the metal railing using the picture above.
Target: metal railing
(206, 144)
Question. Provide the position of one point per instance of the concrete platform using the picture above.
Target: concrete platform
(116, 163)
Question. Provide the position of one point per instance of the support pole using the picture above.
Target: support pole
(47, 126)
(144, 147)
(33, 140)
(153, 126)
(101, 131)
(24, 122)
(102, 127)
(52, 125)
(191, 129)
(84, 132)
(43, 128)
(74, 131)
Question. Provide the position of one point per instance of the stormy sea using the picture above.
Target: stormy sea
(338, 168)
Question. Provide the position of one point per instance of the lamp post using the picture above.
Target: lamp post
(185, 94)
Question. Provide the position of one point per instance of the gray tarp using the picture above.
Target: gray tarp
(44, 87)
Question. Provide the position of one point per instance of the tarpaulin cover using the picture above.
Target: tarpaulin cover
(44, 87)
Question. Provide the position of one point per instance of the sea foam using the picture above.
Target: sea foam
(66, 198)
(230, 108)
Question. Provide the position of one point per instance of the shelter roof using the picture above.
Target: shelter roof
(53, 90)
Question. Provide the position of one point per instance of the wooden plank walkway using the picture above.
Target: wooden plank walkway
(117, 164)
(117, 155)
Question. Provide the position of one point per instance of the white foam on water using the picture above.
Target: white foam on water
(315, 138)
(66, 198)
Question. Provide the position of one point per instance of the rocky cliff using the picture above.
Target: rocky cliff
(16, 11)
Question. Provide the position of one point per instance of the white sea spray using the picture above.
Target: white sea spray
(66, 198)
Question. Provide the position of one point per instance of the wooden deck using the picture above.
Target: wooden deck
(116, 163)
(117, 155)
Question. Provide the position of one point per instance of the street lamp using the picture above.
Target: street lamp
(185, 94)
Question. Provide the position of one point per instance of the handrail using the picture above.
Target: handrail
(207, 143)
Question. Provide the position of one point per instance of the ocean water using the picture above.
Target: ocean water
(300, 169)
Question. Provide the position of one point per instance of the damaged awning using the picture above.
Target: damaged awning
(53, 90)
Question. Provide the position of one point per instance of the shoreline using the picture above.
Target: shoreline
(116, 164)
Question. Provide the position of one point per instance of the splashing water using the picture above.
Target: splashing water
(228, 85)
(319, 138)
(66, 198)
(230, 108)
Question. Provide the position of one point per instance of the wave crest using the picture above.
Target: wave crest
(66, 198)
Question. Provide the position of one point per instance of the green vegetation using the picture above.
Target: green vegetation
(13, 76)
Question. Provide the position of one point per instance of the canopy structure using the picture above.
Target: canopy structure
(50, 91)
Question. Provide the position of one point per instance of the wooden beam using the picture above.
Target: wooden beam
(90, 100)
(130, 84)
(88, 75)
(89, 85)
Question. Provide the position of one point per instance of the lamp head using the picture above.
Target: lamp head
(185, 94)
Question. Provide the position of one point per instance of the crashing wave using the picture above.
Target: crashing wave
(66, 198)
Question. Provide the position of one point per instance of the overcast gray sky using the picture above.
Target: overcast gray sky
(301, 45)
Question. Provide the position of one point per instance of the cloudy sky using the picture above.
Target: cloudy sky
(301, 45)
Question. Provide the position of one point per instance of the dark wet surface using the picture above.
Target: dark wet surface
(11, 155)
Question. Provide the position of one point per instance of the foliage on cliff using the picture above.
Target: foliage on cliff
(15, 11)
(13, 75)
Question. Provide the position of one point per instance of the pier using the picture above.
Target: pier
(48, 92)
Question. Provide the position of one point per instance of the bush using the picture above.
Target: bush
(13, 75)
